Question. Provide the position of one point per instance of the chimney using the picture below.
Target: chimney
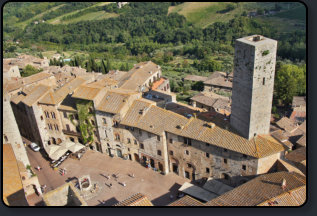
(283, 184)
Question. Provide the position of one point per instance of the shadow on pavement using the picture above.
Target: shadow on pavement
(108, 202)
(166, 198)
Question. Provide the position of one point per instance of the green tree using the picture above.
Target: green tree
(290, 80)
(29, 70)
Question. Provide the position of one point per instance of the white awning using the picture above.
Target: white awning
(76, 147)
(50, 149)
(59, 153)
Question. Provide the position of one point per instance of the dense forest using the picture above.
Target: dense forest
(147, 31)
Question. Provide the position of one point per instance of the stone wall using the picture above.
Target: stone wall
(209, 161)
(56, 133)
(266, 163)
(11, 133)
(254, 68)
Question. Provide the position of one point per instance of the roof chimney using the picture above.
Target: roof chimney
(283, 184)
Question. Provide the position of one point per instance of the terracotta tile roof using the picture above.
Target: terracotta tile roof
(17, 98)
(58, 96)
(286, 124)
(195, 78)
(213, 100)
(36, 94)
(263, 189)
(135, 200)
(36, 77)
(294, 197)
(288, 166)
(133, 115)
(86, 93)
(12, 183)
(116, 75)
(157, 120)
(302, 127)
(302, 141)
(158, 83)
(104, 82)
(299, 101)
(186, 201)
(138, 75)
(298, 155)
(278, 134)
(218, 79)
(115, 100)
(17, 83)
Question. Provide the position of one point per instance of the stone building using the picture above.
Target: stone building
(19, 183)
(253, 82)
(212, 102)
(273, 189)
(141, 76)
(218, 81)
(129, 126)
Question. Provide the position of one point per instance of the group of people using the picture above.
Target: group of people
(116, 177)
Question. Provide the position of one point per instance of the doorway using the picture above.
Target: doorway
(119, 153)
(136, 157)
(187, 175)
(152, 163)
(160, 166)
(175, 168)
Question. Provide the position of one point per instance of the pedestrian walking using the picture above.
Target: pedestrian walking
(110, 185)
(38, 168)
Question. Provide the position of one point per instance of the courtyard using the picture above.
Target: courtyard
(157, 187)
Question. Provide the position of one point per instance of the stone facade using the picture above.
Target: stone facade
(197, 160)
(254, 69)
(11, 133)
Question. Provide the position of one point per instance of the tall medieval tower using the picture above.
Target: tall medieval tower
(253, 82)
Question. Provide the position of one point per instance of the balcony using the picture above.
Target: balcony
(72, 133)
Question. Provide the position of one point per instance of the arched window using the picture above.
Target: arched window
(159, 152)
(53, 115)
(117, 137)
(54, 140)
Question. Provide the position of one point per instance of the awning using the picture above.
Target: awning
(197, 192)
(76, 147)
(67, 144)
(50, 149)
(71, 146)
(59, 153)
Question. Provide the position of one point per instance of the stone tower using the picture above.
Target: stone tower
(253, 82)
